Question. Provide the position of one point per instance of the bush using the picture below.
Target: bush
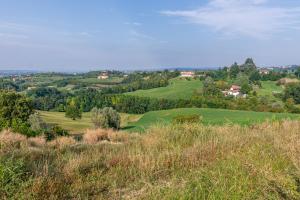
(106, 118)
(23, 127)
(55, 131)
(182, 119)
(36, 122)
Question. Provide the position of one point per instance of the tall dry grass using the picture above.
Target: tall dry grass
(174, 162)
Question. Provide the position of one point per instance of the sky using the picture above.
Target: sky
(83, 35)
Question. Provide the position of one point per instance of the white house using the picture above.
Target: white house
(187, 74)
(235, 91)
(103, 76)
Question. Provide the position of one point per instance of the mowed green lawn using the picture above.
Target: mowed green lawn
(210, 116)
(80, 125)
(177, 89)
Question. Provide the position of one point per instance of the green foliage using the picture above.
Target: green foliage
(246, 88)
(234, 70)
(55, 131)
(292, 91)
(15, 110)
(47, 98)
(210, 88)
(182, 119)
(36, 122)
(72, 111)
(242, 79)
(12, 175)
(106, 118)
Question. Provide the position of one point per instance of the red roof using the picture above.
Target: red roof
(235, 87)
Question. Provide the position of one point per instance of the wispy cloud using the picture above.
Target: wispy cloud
(133, 23)
(254, 18)
(139, 35)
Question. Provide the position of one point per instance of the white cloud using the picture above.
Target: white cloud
(253, 18)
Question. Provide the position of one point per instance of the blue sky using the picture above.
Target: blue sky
(82, 35)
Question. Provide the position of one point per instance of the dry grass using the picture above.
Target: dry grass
(174, 162)
(94, 136)
(62, 142)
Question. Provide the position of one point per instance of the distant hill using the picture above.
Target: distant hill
(16, 72)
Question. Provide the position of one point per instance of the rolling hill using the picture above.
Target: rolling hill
(210, 117)
(177, 89)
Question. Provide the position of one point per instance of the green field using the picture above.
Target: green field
(111, 80)
(184, 89)
(142, 122)
(268, 88)
(177, 89)
(78, 126)
(210, 116)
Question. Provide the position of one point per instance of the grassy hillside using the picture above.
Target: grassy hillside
(210, 116)
(177, 89)
(82, 124)
(173, 162)
(268, 87)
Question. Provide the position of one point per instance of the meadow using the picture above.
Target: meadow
(80, 125)
(139, 123)
(268, 88)
(177, 89)
(188, 161)
(210, 117)
(184, 89)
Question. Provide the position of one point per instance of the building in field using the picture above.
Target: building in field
(103, 76)
(187, 74)
(234, 91)
(264, 71)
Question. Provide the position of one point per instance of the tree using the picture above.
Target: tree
(254, 76)
(297, 73)
(36, 122)
(246, 88)
(249, 66)
(106, 118)
(234, 70)
(210, 88)
(72, 111)
(292, 91)
(242, 79)
(14, 108)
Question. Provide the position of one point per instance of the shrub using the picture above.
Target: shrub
(182, 119)
(106, 118)
(23, 127)
(36, 122)
(54, 132)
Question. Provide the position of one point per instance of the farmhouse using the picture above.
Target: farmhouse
(264, 71)
(187, 74)
(235, 91)
(103, 76)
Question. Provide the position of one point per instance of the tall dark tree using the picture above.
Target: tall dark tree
(234, 70)
(249, 66)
